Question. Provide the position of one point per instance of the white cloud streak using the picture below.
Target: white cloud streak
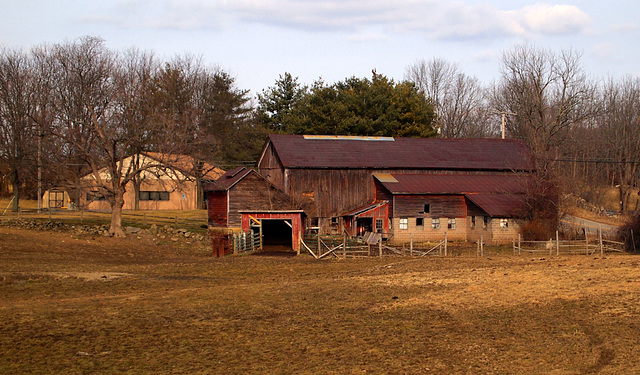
(362, 19)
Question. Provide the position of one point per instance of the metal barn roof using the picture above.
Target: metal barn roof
(454, 183)
(298, 151)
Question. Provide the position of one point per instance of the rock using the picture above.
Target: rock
(132, 230)
(153, 229)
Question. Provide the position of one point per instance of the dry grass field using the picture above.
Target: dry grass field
(82, 305)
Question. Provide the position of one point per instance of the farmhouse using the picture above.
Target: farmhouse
(349, 185)
(167, 182)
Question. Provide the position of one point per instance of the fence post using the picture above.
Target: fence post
(344, 245)
(81, 215)
(175, 224)
(49, 213)
(251, 238)
(445, 243)
(481, 246)
(519, 246)
(380, 247)
(586, 240)
(557, 244)
(600, 240)
(144, 219)
(411, 244)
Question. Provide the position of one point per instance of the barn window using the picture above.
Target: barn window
(379, 225)
(485, 222)
(334, 220)
(404, 223)
(427, 208)
(435, 223)
(419, 222)
(504, 223)
(451, 223)
(473, 222)
(153, 195)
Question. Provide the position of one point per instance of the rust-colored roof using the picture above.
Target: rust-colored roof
(441, 183)
(499, 205)
(227, 180)
(298, 151)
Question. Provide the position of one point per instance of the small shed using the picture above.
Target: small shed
(55, 198)
(278, 228)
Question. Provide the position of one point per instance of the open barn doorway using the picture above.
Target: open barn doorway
(277, 235)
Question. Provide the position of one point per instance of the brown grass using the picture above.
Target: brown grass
(112, 306)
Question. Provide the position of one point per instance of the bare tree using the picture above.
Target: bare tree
(97, 116)
(548, 93)
(619, 129)
(17, 130)
(459, 100)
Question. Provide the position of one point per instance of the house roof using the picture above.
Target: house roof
(186, 164)
(228, 179)
(499, 195)
(303, 151)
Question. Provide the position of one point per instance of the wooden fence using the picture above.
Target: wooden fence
(557, 246)
(371, 244)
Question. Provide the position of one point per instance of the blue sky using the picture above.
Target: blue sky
(256, 40)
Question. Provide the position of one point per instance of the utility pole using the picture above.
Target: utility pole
(504, 113)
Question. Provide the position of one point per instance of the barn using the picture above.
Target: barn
(334, 176)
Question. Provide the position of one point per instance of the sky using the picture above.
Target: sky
(258, 40)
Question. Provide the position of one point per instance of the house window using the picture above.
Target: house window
(153, 195)
(473, 222)
(451, 224)
(504, 223)
(334, 220)
(379, 225)
(435, 223)
(419, 222)
(427, 208)
(485, 222)
(404, 223)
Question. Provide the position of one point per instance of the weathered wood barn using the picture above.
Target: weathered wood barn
(401, 187)
(334, 177)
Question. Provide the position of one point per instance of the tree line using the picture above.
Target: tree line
(76, 108)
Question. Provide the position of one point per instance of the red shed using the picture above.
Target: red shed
(278, 228)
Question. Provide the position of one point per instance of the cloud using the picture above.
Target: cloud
(361, 19)
(553, 19)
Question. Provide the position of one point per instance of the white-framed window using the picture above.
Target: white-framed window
(504, 223)
(435, 223)
(404, 223)
(379, 225)
(451, 223)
